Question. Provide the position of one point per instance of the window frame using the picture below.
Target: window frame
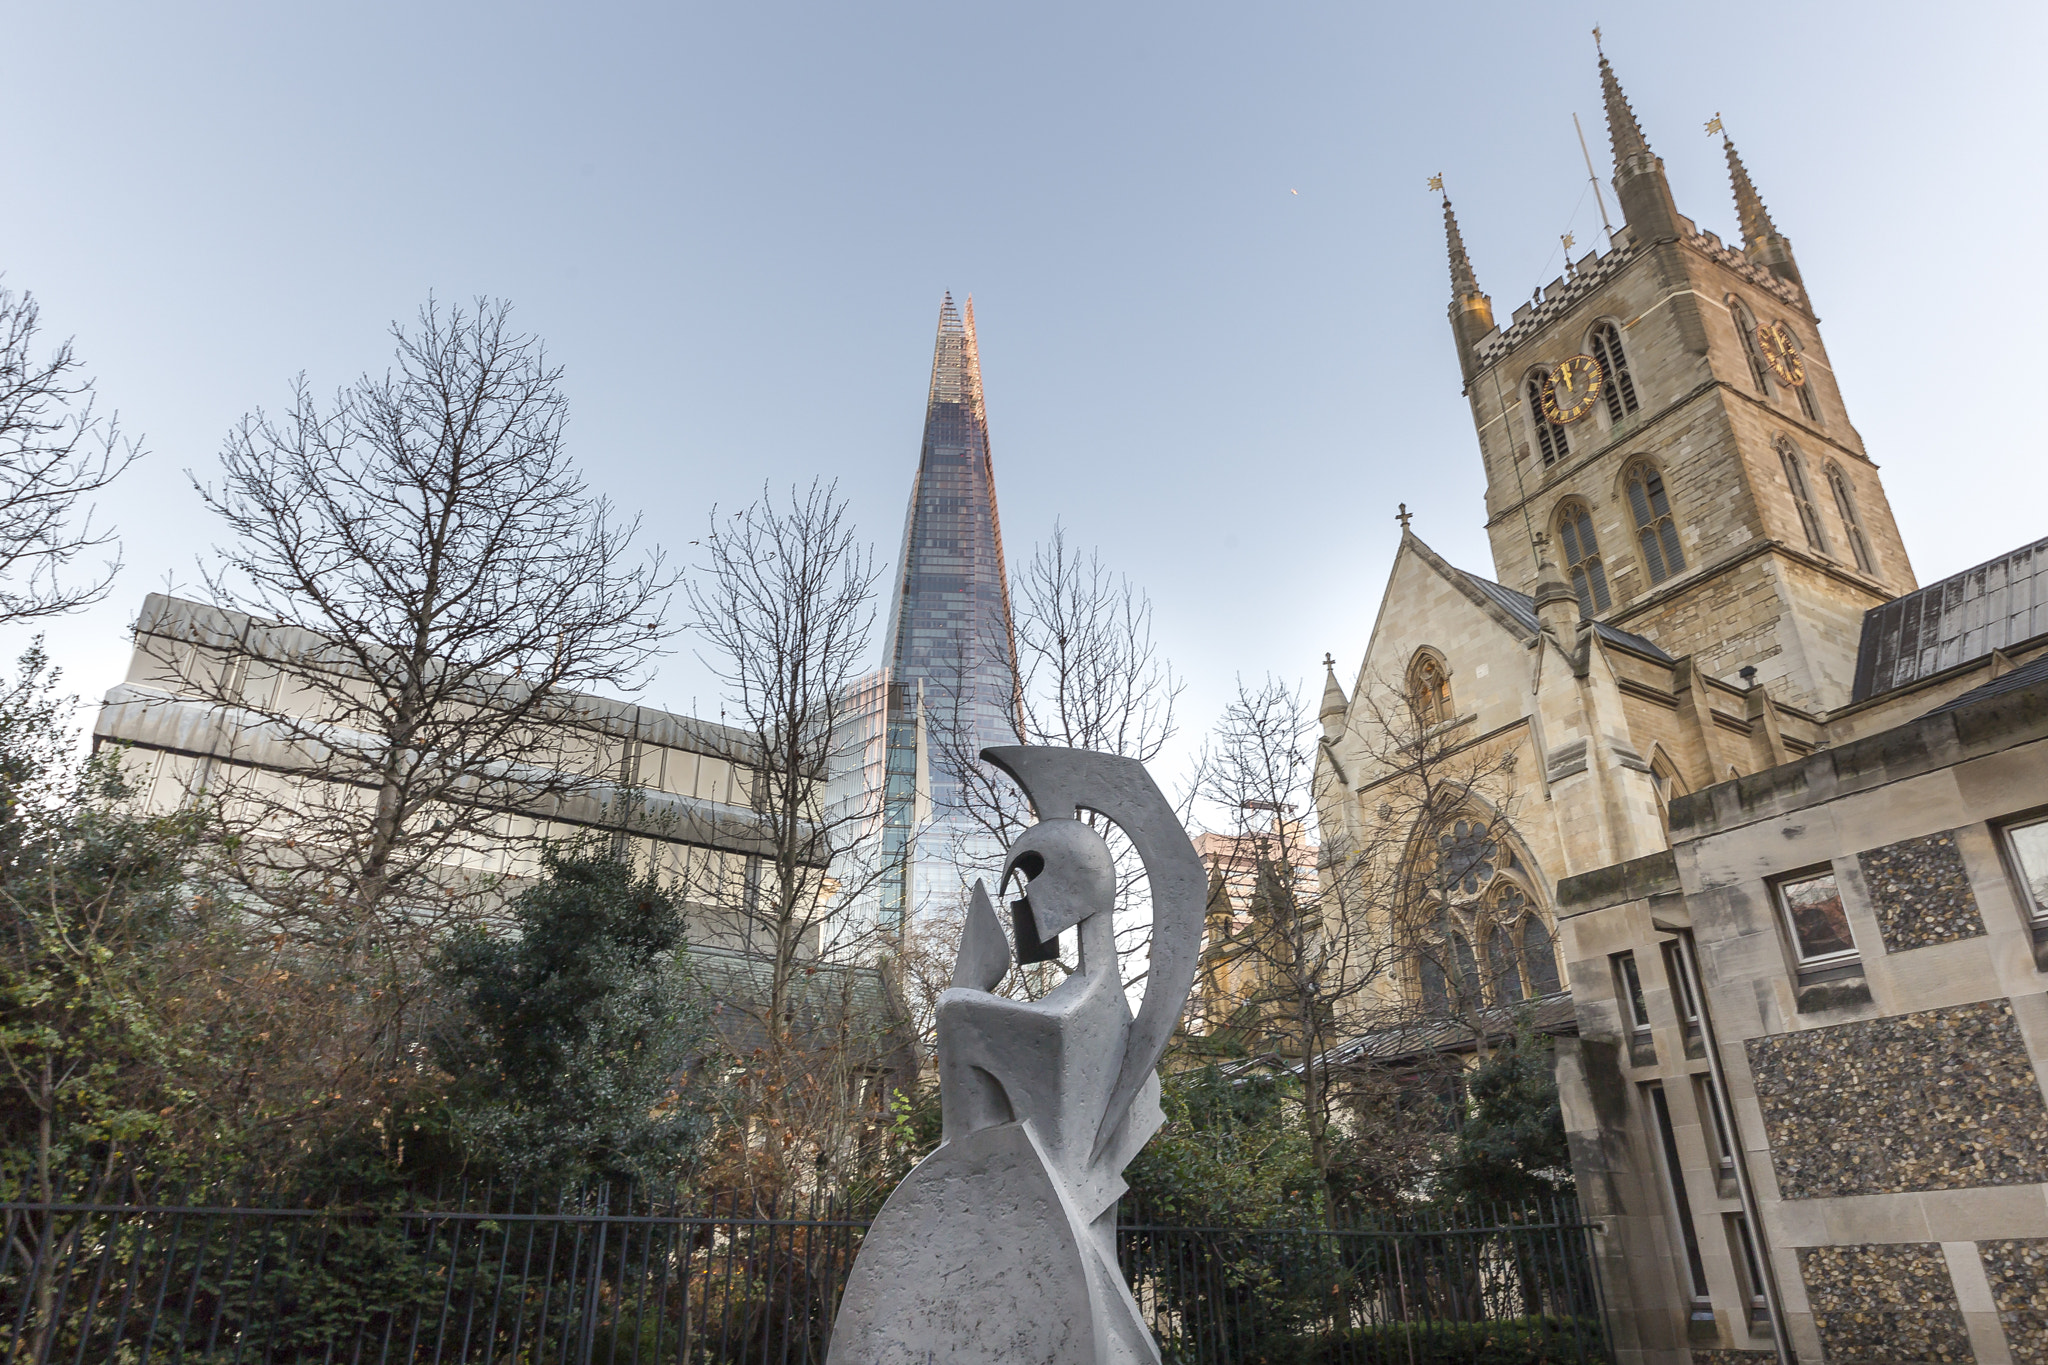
(1670, 556)
(1822, 962)
(1572, 525)
(1442, 707)
(1604, 344)
(1628, 985)
(2034, 909)
(1745, 327)
(1852, 519)
(1794, 465)
(1553, 445)
(1679, 1199)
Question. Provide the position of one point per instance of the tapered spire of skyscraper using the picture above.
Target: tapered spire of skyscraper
(950, 635)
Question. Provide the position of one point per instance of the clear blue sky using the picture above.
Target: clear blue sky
(1209, 279)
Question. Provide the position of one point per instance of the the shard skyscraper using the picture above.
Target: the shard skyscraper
(952, 649)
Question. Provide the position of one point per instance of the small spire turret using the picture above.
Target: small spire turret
(1639, 181)
(1471, 310)
(1761, 240)
(1335, 703)
(1463, 281)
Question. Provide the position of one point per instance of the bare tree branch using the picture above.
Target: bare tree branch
(55, 451)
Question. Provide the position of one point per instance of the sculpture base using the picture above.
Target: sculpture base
(980, 1257)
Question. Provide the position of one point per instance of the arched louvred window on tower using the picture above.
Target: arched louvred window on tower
(1745, 327)
(1582, 557)
(1616, 382)
(1656, 530)
(1550, 437)
(1429, 689)
(1852, 524)
(1804, 390)
(1802, 496)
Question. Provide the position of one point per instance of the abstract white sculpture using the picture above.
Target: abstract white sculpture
(1001, 1245)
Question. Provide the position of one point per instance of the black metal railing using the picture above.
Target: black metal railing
(1493, 1284)
(628, 1278)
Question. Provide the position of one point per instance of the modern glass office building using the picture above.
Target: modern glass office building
(952, 650)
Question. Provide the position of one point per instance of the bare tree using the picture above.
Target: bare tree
(1429, 835)
(55, 451)
(783, 608)
(1089, 676)
(426, 580)
(1307, 957)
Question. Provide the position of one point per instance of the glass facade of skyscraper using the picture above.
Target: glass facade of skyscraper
(952, 648)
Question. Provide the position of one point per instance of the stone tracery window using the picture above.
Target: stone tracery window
(1582, 557)
(1539, 957)
(1852, 524)
(1745, 327)
(1501, 964)
(1802, 496)
(1656, 528)
(1466, 857)
(1429, 689)
(1550, 437)
(1805, 391)
(1618, 386)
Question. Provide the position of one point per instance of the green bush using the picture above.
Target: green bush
(1518, 1341)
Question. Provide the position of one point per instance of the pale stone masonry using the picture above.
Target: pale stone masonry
(1775, 799)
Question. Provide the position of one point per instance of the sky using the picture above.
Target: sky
(1208, 275)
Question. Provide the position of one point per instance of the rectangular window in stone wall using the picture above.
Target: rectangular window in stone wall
(1884, 1302)
(1814, 917)
(1945, 1099)
(2027, 845)
(1920, 892)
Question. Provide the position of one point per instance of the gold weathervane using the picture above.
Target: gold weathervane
(1714, 125)
(1436, 182)
(1567, 239)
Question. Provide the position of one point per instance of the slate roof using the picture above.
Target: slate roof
(1522, 607)
(1999, 603)
(1551, 1014)
(2027, 675)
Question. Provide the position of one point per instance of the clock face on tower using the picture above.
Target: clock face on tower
(1569, 392)
(1781, 352)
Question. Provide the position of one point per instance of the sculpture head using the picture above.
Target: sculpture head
(1069, 872)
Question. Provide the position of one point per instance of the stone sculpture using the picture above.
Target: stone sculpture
(1001, 1245)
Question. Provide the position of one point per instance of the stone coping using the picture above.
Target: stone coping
(1926, 745)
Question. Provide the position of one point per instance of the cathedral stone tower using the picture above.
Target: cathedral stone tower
(1665, 413)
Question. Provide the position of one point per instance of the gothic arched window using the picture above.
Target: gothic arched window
(1805, 390)
(1656, 530)
(1802, 496)
(1745, 327)
(1539, 957)
(1501, 964)
(1852, 524)
(1436, 988)
(1466, 857)
(1619, 387)
(1582, 557)
(1429, 689)
(1549, 435)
